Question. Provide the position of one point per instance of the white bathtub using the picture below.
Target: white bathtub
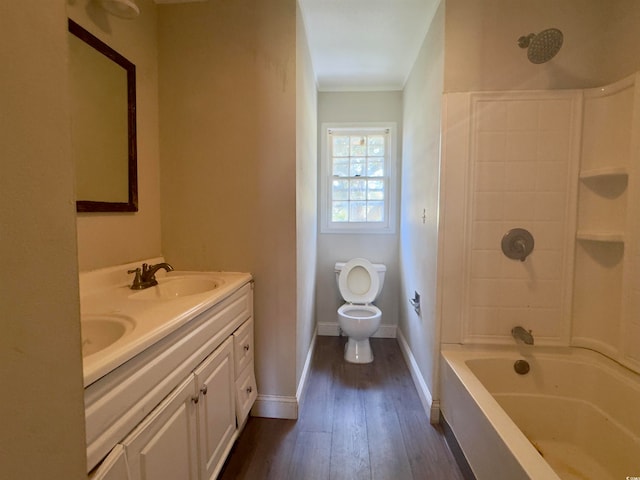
(575, 415)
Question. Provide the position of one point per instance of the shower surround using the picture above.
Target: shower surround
(510, 161)
(564, 165)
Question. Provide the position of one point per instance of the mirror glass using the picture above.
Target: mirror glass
(103, 125)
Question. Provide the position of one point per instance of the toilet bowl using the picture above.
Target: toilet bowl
(360, 282)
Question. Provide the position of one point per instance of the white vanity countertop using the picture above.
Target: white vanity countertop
(105, 294)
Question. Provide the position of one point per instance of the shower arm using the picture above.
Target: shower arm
(525, 41)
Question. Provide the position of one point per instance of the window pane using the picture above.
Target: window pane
(340, 145)
(375, 190)
(376, 145)
(375, 211)
(357, 179)
(358, 167)
(375, 167)
(358, 190)
(358, 146)
(358, 212)
(340, 212)
(341, 167)
(340, 189)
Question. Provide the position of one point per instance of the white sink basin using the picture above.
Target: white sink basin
(101, 331)
(171, 287)
(119, 323)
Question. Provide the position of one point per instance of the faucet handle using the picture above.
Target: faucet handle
(137, 280)
(147, 275)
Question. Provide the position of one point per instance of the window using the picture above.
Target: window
(358, 179)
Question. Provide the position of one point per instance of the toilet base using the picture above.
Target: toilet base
(358, 351)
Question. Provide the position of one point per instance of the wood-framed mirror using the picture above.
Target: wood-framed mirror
(103, 124)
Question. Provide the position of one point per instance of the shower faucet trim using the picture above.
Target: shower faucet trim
(522, 335)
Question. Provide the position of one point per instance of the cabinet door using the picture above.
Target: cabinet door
(216, 409)
(114, 467)
(164, 445)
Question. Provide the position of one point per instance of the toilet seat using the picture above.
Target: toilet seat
(358, 281)
(359, 312)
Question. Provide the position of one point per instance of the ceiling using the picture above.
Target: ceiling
(364, 45)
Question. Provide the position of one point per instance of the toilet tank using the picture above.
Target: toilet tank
(379, 267)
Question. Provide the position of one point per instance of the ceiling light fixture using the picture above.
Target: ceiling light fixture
(121, 8)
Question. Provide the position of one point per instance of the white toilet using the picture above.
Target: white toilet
(360, 282)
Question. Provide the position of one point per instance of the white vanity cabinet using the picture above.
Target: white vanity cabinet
(189, 434)
(246, 391)
(176, 409)
(164, 445)
(216, 409)
(114, 467)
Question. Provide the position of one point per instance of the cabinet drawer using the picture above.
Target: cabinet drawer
(243, 346)
(246, 393)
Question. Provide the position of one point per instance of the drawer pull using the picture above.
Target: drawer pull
(249, 389)
(195, 399)
(246, 347)
(204, 389)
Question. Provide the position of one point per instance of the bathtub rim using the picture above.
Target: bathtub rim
(574, 353)
(515, 443)
(455, 357)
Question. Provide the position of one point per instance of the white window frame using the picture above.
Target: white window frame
(389, 225)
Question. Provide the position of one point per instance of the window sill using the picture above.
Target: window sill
(357, 230)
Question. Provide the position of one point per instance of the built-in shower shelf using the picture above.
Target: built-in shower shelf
(597, 236)
(604, 172)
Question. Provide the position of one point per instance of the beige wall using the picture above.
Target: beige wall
(600, 43)
(228, 158)
(619, 46)
(420, 183)
(306, 194)
(42, 433)
(346, 107)
(116, 238)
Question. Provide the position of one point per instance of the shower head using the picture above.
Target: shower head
(542, 47)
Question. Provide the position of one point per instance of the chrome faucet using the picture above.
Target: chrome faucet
(523, 335)
(146, 276)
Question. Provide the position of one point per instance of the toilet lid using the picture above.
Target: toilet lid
(358, 281)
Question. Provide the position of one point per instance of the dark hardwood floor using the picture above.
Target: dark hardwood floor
(355, 422)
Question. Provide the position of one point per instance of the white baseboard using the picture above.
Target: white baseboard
(275, 406)
(434, 415)
(332, 329)
(431, 408)
(328, 329)
(304, 377)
